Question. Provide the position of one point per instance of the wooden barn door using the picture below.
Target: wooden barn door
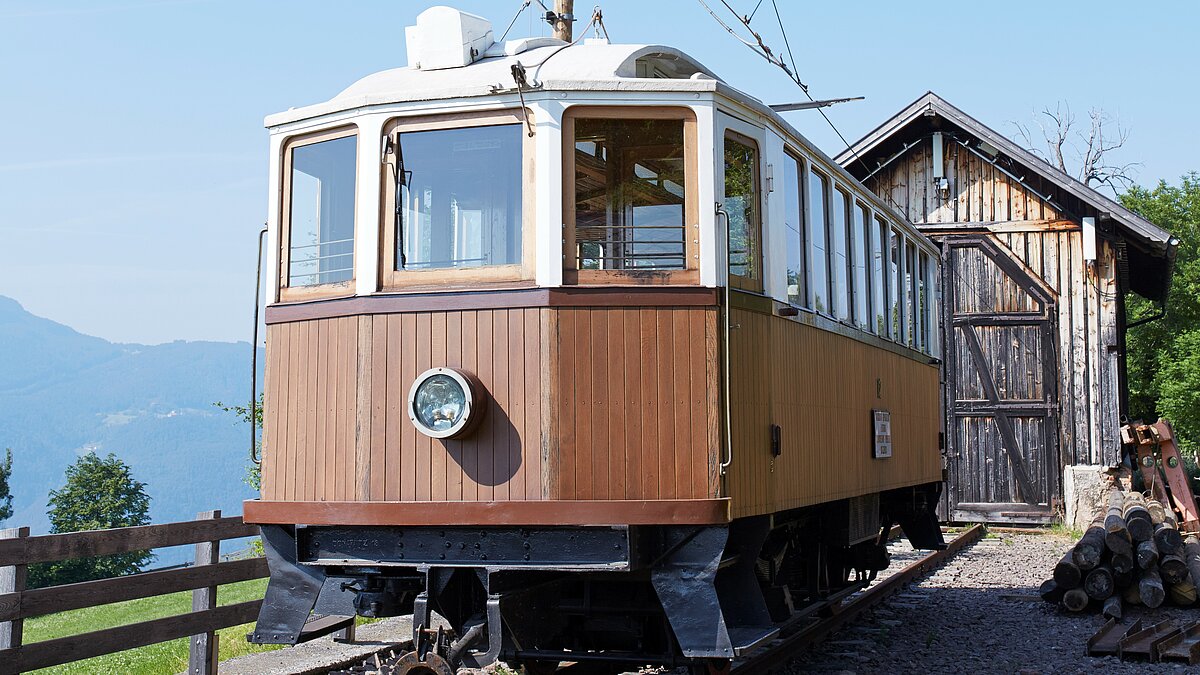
(1001, 400)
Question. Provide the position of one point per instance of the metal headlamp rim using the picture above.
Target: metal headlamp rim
(472, 395)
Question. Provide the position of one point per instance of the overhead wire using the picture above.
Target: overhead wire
(763, 50)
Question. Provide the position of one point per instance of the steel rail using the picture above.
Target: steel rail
(783, 651)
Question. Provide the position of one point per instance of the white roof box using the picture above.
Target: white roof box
(445, 37)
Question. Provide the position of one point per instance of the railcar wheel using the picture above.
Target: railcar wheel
(412, 664)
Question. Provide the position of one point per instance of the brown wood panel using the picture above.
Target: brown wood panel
(629, 429)
(820, 388)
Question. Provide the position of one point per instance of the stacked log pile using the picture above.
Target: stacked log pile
(1134, 554)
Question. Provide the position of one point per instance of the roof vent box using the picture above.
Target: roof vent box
(445, 37)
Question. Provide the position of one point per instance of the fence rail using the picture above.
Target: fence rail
(18, 550)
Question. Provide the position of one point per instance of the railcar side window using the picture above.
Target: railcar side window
(932, 291)
(879, 276)
(793, 171)
(818, 260)
(320, 212)
(460, 197)
(859, 240)
(910, 288)
(895, 287)
(838, 260)
(631, 188)
(741, 206)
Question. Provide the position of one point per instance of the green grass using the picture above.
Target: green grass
(164, 658)
(1063, 530)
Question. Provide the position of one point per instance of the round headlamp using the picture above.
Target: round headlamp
(445, 403)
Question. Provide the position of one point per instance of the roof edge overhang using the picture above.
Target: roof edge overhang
(1150, 239)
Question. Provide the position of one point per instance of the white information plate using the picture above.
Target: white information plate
(882, 425)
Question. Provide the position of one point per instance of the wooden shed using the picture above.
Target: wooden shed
(1035, 269)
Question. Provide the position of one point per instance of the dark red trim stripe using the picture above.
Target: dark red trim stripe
(442, 301)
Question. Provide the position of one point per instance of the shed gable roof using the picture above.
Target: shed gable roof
(1149, 241)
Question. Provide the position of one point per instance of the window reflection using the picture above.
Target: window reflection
(460, 198)
(630, 188)
(321, 213)
(818, 261)
(741, 206)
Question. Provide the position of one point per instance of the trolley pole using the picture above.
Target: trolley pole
(564, 11)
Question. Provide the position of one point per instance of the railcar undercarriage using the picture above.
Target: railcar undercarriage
(621, 595)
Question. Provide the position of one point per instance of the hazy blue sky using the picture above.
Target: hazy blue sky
(133, 159)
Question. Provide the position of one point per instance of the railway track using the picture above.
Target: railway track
(795, 636)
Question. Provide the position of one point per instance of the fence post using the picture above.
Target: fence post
(12, 580)
(202, 654)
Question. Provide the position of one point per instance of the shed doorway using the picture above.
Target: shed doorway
(1001, 399)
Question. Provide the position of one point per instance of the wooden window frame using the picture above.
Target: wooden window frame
(288, 293)
(801, 186)
(572, 275)
(522, 273)
(754, 282)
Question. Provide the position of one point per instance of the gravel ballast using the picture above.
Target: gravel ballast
(980, 613)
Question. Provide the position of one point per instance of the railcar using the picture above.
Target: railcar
(575, 352)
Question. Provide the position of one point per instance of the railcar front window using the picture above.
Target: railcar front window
(741, 205)
(460, 198)
(321, 213)
(630, 185)
(895, 287)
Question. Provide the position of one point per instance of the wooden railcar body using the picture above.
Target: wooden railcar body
(656, 424)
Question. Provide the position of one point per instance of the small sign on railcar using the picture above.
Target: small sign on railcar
(882, 420)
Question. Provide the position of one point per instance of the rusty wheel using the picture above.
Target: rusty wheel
(432, 664)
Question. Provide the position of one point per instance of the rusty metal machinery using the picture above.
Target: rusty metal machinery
(1163, 470)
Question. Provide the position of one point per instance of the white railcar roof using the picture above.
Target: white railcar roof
(552, 64)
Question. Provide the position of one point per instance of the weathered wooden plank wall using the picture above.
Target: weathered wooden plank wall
(1049, 244)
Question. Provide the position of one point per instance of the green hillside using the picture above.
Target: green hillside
(63, 393)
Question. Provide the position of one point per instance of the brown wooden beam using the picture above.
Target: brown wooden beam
(534, 513)
(52, 547)
(32, 656)
(53, 599)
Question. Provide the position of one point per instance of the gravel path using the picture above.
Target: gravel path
(979, 614)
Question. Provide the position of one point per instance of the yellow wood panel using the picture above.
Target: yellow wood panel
(820, 388)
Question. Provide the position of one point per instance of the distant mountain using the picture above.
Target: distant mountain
(63, 393)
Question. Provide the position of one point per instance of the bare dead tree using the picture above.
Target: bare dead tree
(1089, 152)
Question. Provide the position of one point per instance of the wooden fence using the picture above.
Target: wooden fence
(17, 603)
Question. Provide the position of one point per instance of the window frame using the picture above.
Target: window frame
(392, 279)
(754, 282)
(801, 187)
(572, 275)
(287, 292)
(860, 287)
(811, 224)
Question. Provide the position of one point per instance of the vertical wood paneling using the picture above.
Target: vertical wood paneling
(820, 388)
(336, 398)
(636, 428)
